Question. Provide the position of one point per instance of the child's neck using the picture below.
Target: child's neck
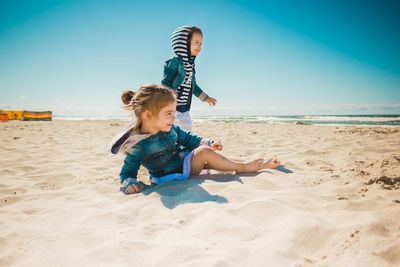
(148, 128)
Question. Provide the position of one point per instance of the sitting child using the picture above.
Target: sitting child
(165, 150)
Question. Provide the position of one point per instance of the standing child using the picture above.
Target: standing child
(179, 73)
(154, 142)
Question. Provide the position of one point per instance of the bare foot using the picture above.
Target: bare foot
(272, 163)
(259, 164)
(252, 166)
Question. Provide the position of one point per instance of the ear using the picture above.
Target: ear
(147, 114)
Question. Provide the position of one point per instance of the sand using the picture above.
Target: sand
(335, 201)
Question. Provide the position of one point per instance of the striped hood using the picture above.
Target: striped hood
(180, 44)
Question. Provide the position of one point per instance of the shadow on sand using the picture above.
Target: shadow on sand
(282, 168)
(175, 193)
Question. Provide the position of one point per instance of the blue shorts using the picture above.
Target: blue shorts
(176, 176)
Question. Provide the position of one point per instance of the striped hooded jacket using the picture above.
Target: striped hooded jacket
(179, 71)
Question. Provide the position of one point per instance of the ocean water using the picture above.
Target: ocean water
(366, 120)
(372, 120)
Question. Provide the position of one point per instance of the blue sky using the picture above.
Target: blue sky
(258, 57)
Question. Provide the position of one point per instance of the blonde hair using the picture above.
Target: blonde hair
(149, 97)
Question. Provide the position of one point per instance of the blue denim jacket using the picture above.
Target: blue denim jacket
(174, 74)
(159, 153)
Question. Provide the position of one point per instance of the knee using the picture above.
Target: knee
(204, 150)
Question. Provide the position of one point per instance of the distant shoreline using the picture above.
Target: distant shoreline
(336, 120)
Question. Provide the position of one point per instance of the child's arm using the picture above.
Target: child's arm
(199, 93)
(203, 96)
(190, 140)
(170, 71)
(129, 171)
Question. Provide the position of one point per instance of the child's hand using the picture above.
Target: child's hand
(211, 101)
(134, 188)
(216, 146)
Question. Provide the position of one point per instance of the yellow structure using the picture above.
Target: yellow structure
(27, 115)
(37, 115)
(13, 115)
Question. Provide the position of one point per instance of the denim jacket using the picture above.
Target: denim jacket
(158, 153)
(174, 74)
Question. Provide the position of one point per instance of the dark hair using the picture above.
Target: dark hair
(127, 96)
(149, 97)
(193, 30)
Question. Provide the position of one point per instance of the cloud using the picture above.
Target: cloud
(23, 98)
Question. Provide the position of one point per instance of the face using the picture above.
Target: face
(196, 43)
(165, 118)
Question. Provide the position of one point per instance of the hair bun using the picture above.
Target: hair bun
(128, 97)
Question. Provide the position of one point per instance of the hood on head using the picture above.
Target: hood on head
(180, 42)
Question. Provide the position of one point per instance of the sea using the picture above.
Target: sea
(361, 120)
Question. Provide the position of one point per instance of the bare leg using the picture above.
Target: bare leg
(227, 172)
(216, 161)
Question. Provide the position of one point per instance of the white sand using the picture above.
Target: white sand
(60, 203)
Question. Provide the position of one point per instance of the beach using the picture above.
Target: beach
(334, 201)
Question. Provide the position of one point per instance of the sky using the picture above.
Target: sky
(258, 57)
